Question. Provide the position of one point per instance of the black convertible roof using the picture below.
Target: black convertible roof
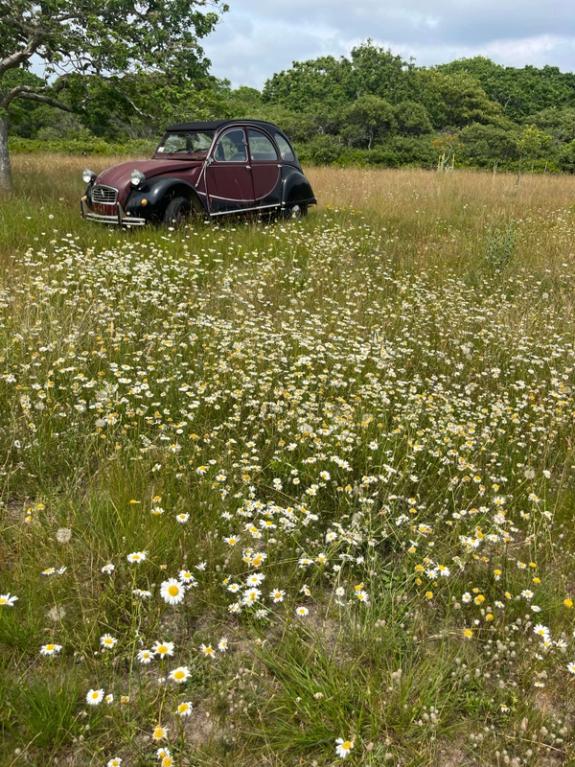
(217, 124)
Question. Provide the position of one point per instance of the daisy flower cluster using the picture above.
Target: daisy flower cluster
(217, 443)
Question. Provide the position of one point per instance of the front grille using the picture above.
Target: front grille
(106, 195)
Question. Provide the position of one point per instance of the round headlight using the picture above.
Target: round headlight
(137, 177)
(88, 176)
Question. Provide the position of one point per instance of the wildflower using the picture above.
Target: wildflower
(107, 641)
(223, 644)
(343, 747)
(136, 557)
(180, 675)
(116, 761)
(468, 633)
(159, 732)
(277, 595)
(94, 697)
(255, 579)
(142, 593)
(7, 600)
(108, 569)
(163, 649)
(184, 709)
(50, 649)
(63, 535)
(207, 651)
(571, 667)
(109, 698)
(251, 596)
(301, 611)
(172, 591)
(568, 603)
(182, 518)
(145, 657)
(186, 577)
(541, 631)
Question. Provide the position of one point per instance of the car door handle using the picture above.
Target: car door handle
(248, 167)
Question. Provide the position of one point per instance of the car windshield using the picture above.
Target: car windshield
(194, 143)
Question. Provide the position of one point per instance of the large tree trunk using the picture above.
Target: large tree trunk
(5, 171)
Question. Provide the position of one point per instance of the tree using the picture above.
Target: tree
(368, 119)
(412, 119)
(106, 38)
(487, 145)
(376, 71)
(520, 91)
(455, 100)
(308, 84)
(559, 122)
(534, 144)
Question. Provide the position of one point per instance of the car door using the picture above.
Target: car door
(229, 174)
(266, 169)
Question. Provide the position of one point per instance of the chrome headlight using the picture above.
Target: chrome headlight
(88, 176)
(137, 177)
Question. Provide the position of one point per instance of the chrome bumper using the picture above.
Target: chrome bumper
(118, 219)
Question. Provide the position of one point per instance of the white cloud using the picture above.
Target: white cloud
(258, 37)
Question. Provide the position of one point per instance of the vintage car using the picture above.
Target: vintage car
(206, 169)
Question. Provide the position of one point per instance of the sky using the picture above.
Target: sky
(259, 37)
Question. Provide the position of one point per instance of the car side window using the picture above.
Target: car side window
(232, 147)
(287, 152)
(261, 148)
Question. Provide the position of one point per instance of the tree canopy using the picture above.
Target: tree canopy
(99, 45)
(371, 107)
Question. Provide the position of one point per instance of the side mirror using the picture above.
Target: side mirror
(210, 160)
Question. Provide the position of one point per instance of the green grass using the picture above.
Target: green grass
(378, 402)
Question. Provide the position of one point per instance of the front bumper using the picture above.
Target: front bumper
(118, 218)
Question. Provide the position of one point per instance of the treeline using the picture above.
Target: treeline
(371, 108)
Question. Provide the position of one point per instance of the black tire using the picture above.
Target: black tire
(177, 212)
(295, 212)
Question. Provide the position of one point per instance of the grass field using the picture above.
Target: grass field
(290, 494)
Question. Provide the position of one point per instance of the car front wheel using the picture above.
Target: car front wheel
(177, 212)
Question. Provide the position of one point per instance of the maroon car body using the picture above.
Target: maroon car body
(210, 169)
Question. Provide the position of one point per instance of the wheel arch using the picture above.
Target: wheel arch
(297, 189)
(165, 189)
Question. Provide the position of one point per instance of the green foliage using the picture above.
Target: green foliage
(500, 245)
(533, 143)
(152, 46)
(412, 118)
(367, 120)
(488, 145)
(455, 100)
(567, 157)
(369, 108)
(519, 91)
(82, 146)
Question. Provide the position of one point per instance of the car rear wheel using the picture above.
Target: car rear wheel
(295, 212)
(177, 212)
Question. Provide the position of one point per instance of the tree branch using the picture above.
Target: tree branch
(18, 57)
(25, 92)
(136, 109)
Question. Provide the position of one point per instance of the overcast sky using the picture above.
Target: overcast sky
(260, 37)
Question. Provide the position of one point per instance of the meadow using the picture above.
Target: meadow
(286, 494)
